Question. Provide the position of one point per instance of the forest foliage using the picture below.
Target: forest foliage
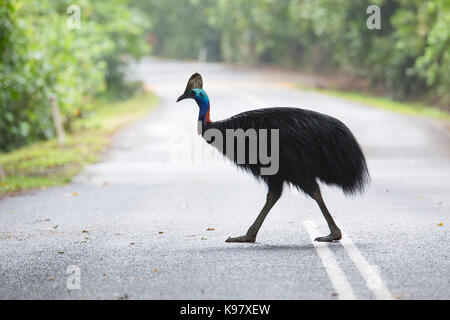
(409, 57)
(40, 56)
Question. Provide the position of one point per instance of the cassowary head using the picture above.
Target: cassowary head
(194, 91)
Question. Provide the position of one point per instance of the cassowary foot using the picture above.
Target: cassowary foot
(329, 238)
(245, 238)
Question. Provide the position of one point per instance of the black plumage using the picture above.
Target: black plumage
(312, 147)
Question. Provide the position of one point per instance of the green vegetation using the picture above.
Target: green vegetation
(409, 57)
(415, 109)
(40, 56)
(46, 164)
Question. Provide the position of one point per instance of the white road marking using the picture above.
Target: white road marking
(370, 272)
(335, 273)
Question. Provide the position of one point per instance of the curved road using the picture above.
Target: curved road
(139, 225)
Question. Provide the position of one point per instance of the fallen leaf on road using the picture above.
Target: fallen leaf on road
(75, 194)
(54, 227)
(160, 232)
(84, 231)
(440, 224)
(210, 229)
(132, 243)
(335, 294)
(399, 296)
(105, 183)
(51, 278)
(61, 252)
(156, 270)
(203, 239)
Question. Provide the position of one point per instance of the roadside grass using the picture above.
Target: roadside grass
(46, 164)
(409, 108)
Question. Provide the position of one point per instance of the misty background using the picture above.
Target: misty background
(407, 59)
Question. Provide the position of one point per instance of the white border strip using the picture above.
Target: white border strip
(335, 273)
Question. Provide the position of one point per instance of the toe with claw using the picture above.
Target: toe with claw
(329, 238)
(245, 238)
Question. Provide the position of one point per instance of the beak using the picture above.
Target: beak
(183, 96)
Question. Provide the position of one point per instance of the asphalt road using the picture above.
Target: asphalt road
(138, 227)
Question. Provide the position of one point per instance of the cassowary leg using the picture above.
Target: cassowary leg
(250, 236)
(335, 231)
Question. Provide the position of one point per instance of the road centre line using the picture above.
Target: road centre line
(335, 273)
(369, 272)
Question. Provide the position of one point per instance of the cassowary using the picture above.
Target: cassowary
(312, 147)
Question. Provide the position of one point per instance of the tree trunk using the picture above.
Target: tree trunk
(57, 120)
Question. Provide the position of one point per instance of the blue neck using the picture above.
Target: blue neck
(203, 104)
